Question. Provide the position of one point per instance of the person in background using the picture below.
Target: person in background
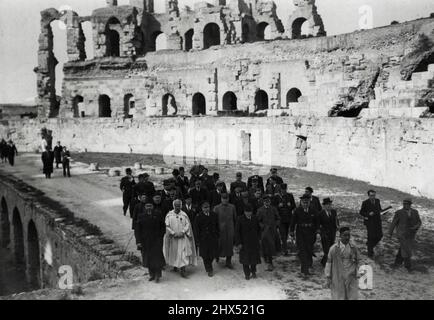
(58, 149)
(328, 224)
(12, 152)
(3, 150)
(238, 183)
(47, 161)
(198, 194)
(255, 182)
(285, 206)
(314, 201)
(342, 268)
(247, 240)
(273, 174)
(406, 222)
(66, 162)
(126, 186)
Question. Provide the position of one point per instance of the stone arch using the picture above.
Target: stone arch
(18, 238)
(199, 104)
(5, 227)
(76, 103)
(169, 106)
(161, 42)
(229, 101)
(300, 28)
(211, 35)
(104, 103)
(262, 31)
(113, 40)
(129, 105)
(188, 40)
(293, 96)
(33, 255)
(261, 100)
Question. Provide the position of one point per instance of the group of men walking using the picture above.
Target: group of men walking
(200, 217)
(8, 151)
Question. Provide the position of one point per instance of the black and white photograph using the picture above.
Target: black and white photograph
(222, 153)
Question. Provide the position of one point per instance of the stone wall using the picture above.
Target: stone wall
(43, 236)
(396, 153)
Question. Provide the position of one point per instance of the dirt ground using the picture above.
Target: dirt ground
(97, 198)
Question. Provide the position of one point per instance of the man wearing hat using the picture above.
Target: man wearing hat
(216, 194)
(314, 201)
(342, 268)
(406, 222)
(198, 194)
(127, 184)
(255, 182)
(273, 174)
(206, 229)
(226, 214)
(329, 224)
(371, 213)
(269, 221)
(238, 183)
(305, 224)
(150, 230)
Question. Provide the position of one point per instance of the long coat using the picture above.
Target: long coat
(342, 267)
(227, 217)
(207, 235)
(269, 221)
(328, 226)
(150, 230)
(406, 228)
(372, 223)
(247, 234)
(47, 161)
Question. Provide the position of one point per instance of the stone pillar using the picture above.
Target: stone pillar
(75, 40)
(275, 92)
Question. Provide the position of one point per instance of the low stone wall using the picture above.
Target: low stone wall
(48, 241)
(395, 153)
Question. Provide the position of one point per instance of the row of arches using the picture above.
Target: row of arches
(170, 107)
(33, 247)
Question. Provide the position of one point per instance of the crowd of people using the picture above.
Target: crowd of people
(200, 216)
(8, 151)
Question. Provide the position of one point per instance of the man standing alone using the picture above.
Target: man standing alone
(127, 184)
(371, 212)
(406, 222)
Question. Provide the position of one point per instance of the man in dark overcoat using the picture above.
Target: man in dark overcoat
(305, 226)
(247, 239)
(150, 230)
(371, 213)
(285, 205)
(126, 186)
(328, 224)
(206, 229)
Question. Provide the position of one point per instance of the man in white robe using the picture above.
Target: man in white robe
(179, 246)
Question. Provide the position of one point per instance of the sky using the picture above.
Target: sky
(20, 28)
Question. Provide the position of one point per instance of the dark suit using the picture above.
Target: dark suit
(373, 223)
(240, 184)
(237, 201)
(278, 180)
(329, 224)
(260, 182)
(127, 192)
(207, 232)
(305, 224)
(285, 212)
(198, 196)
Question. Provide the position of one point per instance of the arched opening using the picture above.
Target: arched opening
(105, 110)
(88, 44)
(211, 35)
(33, 255)
(199, 104)
(18, 238)
(263, 31)
(300, 28)
(160, 42)
(77, 105)
(292, 96)
(169, 105)
(5, 227)
(261, 100)
(229, 101)
(129, 105)
(189, 40)
(246, 33)
(112, 38)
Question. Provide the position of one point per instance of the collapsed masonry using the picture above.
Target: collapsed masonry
(215, 61)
